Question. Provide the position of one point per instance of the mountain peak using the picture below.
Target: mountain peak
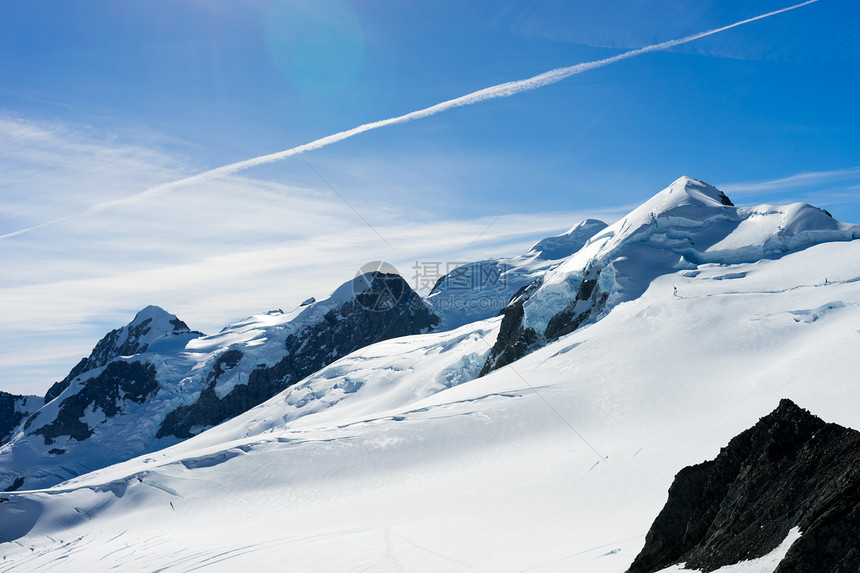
(151, 311)
(158, 316)
(686, 192)
(155, 319)
(151, 323)
(687, 224)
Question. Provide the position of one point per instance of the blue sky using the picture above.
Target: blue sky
(100, 101)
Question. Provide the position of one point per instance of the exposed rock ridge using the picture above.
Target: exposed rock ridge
(13, 410)
(790, 470)
(105, 396)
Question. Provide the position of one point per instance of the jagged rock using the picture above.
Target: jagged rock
(15, 485)
(790, 469)
(13, 409)
(513, 341)
(588, 304)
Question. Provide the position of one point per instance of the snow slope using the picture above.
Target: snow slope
(558, 462)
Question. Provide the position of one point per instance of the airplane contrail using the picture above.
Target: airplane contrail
(501, 90)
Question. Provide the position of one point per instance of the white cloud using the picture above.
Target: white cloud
(830, 189)
(799, 180)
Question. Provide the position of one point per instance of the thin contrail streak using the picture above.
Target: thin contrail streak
(502, 90)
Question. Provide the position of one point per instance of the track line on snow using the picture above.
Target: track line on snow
(583, 552)
(600, 456)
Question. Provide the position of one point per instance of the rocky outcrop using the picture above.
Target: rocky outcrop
(13, 410)
(385, 307)
(790, 470)
(514, 341)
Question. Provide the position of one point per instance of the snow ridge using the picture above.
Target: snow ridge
(689, 223)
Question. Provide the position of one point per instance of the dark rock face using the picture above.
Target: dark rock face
(790, 469)
(117, 384)
(11, 414)
(514, 340)
(15, 485)
(386, 308)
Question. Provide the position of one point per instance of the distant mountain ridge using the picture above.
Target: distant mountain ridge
(482, 289)
(138, 371)
(154, 381)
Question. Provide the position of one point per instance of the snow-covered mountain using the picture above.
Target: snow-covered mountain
(148, 325)
(688, 224)
(397, 455)
(155, 382)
